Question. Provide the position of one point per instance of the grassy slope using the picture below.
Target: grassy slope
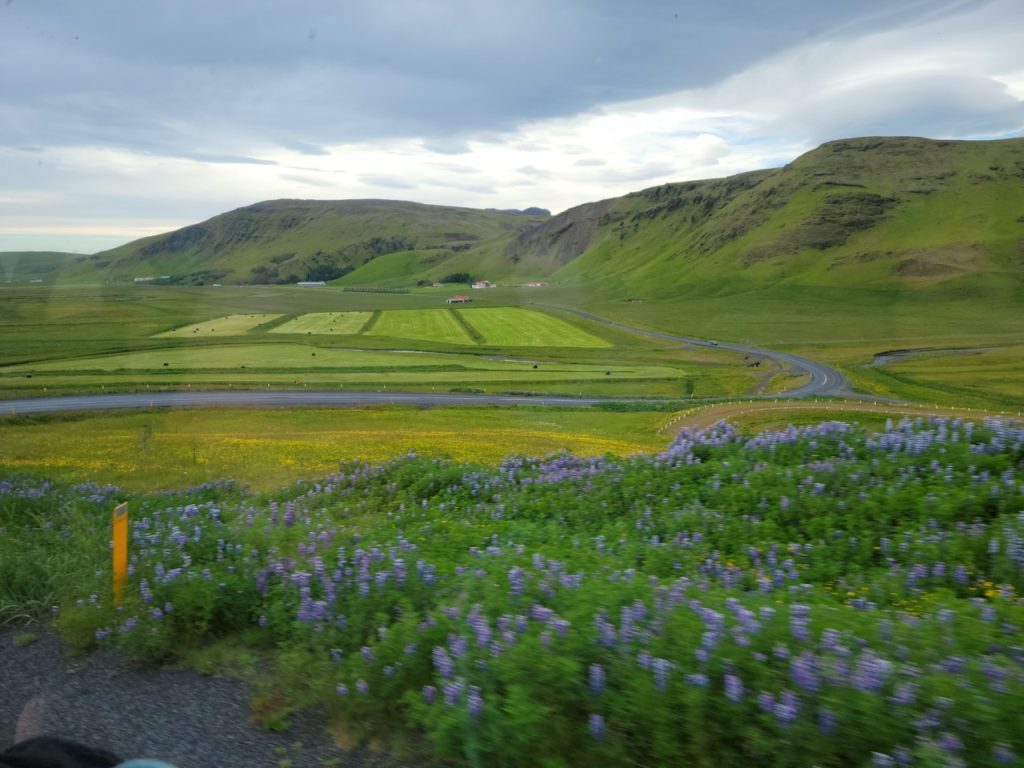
(863, 234)
(23, 266)
(293, 235)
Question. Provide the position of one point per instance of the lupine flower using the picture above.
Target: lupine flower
(827, 721)
(787, 708)
(803, 670)
(596, 678)
(1003, 755)
(661, 668)
(596, 727)
(475, 702)
(733, 688)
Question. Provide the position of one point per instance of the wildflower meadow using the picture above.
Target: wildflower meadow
(821, 595)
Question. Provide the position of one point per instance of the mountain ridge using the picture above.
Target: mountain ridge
(877, 211)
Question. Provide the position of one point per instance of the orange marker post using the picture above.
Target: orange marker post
(120, 551)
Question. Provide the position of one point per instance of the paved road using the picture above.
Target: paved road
(824, 379)
(271, 398)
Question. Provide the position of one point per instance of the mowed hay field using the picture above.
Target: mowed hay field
(229, 325)
(517, 327)
(325, 323)
(269, 448)
(441, 325)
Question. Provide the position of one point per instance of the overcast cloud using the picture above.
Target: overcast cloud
(120, 119)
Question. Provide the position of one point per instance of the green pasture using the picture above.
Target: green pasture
(518, 327)
(269, 448)
(293, 356)
(325, 323)
(440, 325)
(291, 364)
(980, 376)
(229, 325)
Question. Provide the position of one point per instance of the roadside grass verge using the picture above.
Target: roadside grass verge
(40, 570)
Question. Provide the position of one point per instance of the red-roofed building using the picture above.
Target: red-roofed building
(459, 300)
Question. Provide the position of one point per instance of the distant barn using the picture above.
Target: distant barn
(459, 300)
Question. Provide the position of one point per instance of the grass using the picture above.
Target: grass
(270, 448)
(981, 375)
(229, 325)
(439, 325)
(325, 323)
(518, 327)
(301, 363)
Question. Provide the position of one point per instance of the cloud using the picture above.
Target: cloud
(171, 75)
(184, 109)
(387, 182)
(207, 157)
(304, 148)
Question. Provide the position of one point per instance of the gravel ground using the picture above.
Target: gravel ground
(188, 719)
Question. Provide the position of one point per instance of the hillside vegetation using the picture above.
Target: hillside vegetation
(43, 266)
(284, 241)
(872, 212)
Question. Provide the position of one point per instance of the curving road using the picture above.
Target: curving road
(824, 379)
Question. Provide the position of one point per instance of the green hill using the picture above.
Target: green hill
(283, 241)
(870, 237)
(875, 212)
(38, 266)
(857, 239)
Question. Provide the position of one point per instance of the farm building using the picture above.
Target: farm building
(484, 284)
(459, 300)
(535, 285)
(308, 283)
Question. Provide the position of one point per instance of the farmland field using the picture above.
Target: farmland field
(229, 325)
(325, 323)
(269, 448)
(291, 356)
(440, 325)
(518, 327)
(291, 364)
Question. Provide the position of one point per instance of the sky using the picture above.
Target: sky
(120, 119)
